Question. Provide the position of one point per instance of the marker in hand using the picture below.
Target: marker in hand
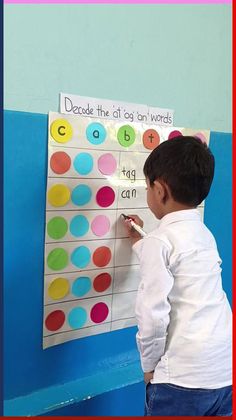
(134, 225)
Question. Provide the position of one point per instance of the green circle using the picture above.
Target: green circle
(126, 135)
(57, 259)
(57, 227)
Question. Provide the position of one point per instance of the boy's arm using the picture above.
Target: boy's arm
(152, 306)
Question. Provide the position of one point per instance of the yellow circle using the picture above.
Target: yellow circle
(61, 131)
(58, 195)
(58, 288)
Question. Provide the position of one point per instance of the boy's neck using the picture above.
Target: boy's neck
(172, 206)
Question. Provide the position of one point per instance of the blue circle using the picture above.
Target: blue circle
(83, 163)
(81, 195)
(79, 226)
(77, 317)
(96, 133)
(80, 257)
(81, 286)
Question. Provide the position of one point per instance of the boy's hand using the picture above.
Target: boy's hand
(135, 236)
(148, 376)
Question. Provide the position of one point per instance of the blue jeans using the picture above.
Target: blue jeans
(174, 400)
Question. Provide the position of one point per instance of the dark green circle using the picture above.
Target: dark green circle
(126, 135)
(57, 227)
(57, 259)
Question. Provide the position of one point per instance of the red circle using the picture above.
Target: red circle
(105, 196)
(99, 312)
(55, 320)
(60, 162)
(102, 282)
(173, 134)
(151, 139)
(102, 256)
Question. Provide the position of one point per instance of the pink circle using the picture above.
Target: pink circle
(201, 137)
(105, 197)
(174, 133)
(100, 225)
(107, 164)
(99, 312)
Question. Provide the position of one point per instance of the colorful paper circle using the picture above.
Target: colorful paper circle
(201, 137)
(100, 225)
(61, 131)
(151, 139)
(79, 226)
(81, 256)
(107, 164)
(58, 288)
(57, 259)
(58, 195)
(77, 317)
(60, 162)
(83, 163)
(57, 227)
(105, 197)
(126, 135)
(174, 133)
(99, 312)
(81, 195)
(55, 320)
(96, 133)
(102, 282)
(102, 256)
(81, 286)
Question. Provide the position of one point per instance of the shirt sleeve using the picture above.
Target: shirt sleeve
(152, 305)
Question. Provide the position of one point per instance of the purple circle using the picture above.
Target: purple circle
(99, 312)
(107, 164)
(105, 196)
(100, 225)
(174, 134)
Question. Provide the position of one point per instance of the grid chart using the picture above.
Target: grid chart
(95, 173)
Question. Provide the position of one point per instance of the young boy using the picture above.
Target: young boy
(183, 315)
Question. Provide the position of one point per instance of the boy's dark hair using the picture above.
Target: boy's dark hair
(186, 165)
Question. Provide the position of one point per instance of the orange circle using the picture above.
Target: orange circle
(102, 256)
(60, 162)
(151, 139)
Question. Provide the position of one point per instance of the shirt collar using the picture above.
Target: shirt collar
(179, 216)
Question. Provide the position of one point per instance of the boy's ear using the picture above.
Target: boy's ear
(161, 190)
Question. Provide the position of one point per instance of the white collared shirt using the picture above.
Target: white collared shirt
(183, 315)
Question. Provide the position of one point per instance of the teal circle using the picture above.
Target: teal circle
(81, 195)
(77, 317)
(96, 133)
(79, 226)
(81, 286)
(80, 257)
(83, 163)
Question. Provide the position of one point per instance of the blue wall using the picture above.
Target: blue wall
(218, 210)
(99, 363)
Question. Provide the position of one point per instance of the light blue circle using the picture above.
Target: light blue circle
(81, 195)
(79, 226)
(96, 133)
(83, 163)
(81, 286)
(77, 317)
(80, 257)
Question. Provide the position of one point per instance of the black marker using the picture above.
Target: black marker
(134, 225)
